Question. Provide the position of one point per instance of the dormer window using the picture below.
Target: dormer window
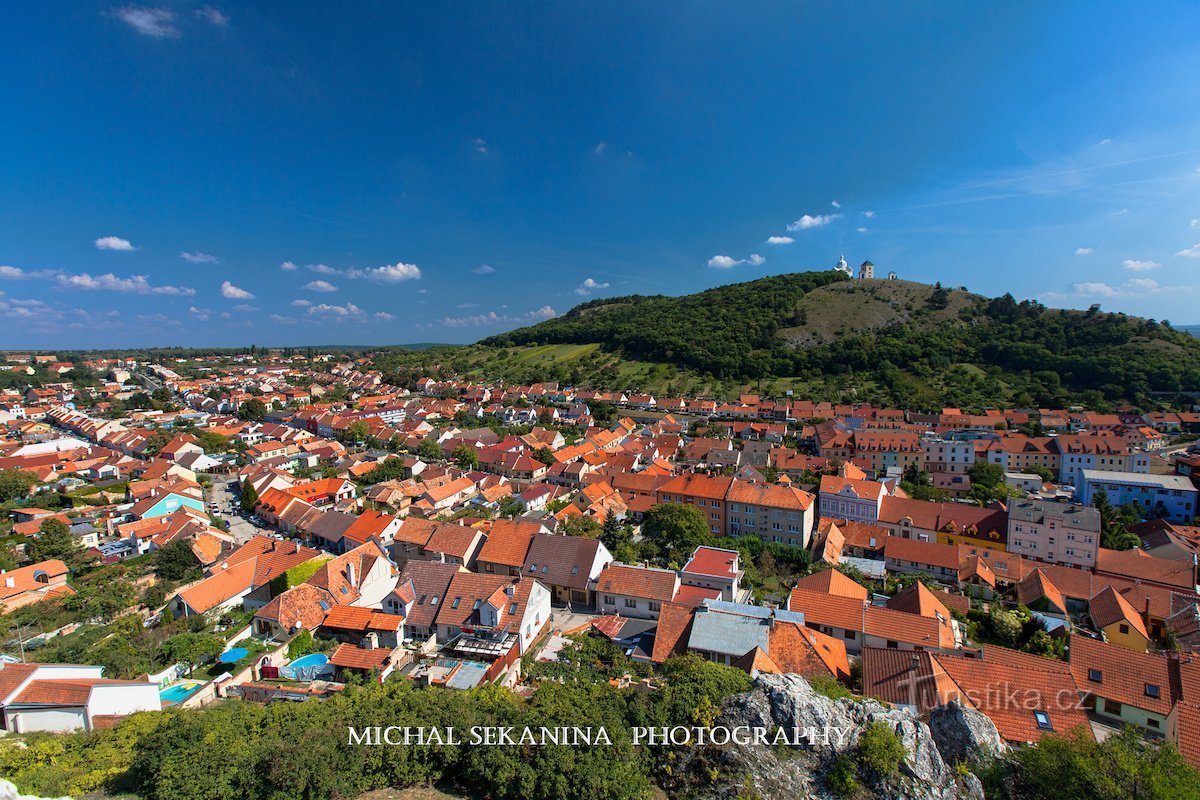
(1043, 720)
(1152, 691)
(457, 600)
(1095, 676)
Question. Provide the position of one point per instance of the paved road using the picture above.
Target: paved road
(224, 492)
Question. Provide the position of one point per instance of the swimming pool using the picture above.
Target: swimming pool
(177, 693)
(233, 655)
(310, 660)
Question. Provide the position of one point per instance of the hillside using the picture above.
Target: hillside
(824, 336)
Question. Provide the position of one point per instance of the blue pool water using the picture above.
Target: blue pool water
(233, 655)
(311, 660)
(174, 695)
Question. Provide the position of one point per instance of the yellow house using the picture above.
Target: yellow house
(1119, 621)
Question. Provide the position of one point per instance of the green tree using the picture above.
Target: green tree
(880, 750)
(356, 431)
(177, 562)
(466, 457)
(580, 525)
(430, 450)
(544, 455)
(192, 649)
(16, 484)
(253, 410)
(54, 540)
(249, 497)
(677, 529)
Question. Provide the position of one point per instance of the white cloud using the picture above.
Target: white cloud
(322, 269)
(280, 319)
(1139, 266)
(812, 221)
(861, 230)
(113, 243)
(231, 292)
(320, 286)
(245, 308)
(589, 285)
(1190, 252)
(288, 266)
(600, 148)
(348, 312)
(201, 314)
(494, 318)
(728, 262)
(481, 146)
(389, 273)
(484, 269)
(302, 303)
(1083, 251)
(134, 284)
(780, 240)
(1130, 288)
(467, 305)
(213, 15)
(158, 23)
(835, 204)
(1194, 223)
(199, 258)
(11, 273)
(868, 214)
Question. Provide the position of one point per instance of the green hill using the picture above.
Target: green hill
(825, 336)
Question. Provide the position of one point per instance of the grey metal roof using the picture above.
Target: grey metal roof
(728, 634)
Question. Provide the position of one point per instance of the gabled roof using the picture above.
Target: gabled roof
(1108, 607)
(561, 560)
(508, 542)
(834, 582)
(631, 581)
(1118, 673)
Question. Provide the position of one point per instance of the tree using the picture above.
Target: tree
(357, 431)
(253, 410)
(466, 457)
(249, 498)
(430, 450)
(580, 525)
(193, 649)
(676, 528)
(177, 562)
(16, 484)
(54, 540)
(544, 455)
(880, 750)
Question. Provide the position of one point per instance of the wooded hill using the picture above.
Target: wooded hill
(831, 337)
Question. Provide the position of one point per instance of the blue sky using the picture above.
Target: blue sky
(182, 173)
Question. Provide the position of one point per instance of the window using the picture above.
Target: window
(1153, 723)
(630, 602)
(457, 600)
(1123, 628)
(610, 600)
(512, 608)
(533, 567)
(434, 601)
(1043, 720)
(1152, 690)
(1095, 676)
(655, 606)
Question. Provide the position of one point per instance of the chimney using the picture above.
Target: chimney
(371, 642)
(10, 583)
(915, 664)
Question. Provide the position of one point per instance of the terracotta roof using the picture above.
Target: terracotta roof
(851, 614)
(712, 561)
(922, 553)
(674, 624)
(770, 495)
(646, 582)
(11, 676)
(453, 540)
(801, 650)
(693, 485)
(1139, 566)
(62, 692)
(349, 656)
(508, 542)
(468, 590)
(916, 598)
(1120, 674)
(832, 581)
(905, 677)
(1108, 607)
(355, 618)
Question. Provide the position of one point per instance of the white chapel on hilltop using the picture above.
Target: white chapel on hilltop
(866, 270)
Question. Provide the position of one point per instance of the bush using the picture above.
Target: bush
(841, 778)
(880, 750)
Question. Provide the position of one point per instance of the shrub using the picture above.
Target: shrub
(880, 750)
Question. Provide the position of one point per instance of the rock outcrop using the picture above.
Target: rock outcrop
(800, 769)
